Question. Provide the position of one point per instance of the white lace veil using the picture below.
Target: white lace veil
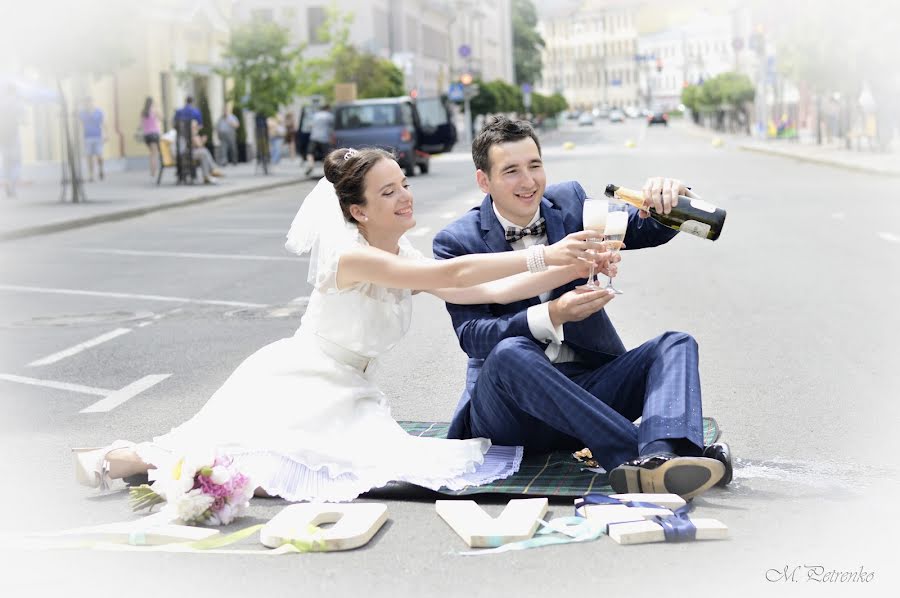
(320, 229)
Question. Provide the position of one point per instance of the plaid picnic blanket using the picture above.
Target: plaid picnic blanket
(554, 474)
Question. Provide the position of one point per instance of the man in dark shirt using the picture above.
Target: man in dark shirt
(189, 112)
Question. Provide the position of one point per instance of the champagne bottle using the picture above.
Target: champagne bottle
(693, 216)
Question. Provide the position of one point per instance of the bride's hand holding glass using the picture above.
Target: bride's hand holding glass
(578, 248)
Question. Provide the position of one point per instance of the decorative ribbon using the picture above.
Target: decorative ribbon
(311, 541)
(569, 530)
(603, 499)
(677, 526)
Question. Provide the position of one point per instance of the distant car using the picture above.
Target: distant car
(586, 119)
(658, 118)
(412, 129)
(602, 112)
(631, 112)
(616, 116)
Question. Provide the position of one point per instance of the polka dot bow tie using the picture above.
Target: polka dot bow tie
(538, 229)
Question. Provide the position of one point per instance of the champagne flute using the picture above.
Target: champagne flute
(594, 218)
(616, 225)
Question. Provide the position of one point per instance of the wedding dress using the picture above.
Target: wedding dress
(302, 416)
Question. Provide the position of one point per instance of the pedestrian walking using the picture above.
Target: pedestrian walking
(92, 126)
(189, 112)
(276, 136)
(302, 138)
(226, 128)
(150, 127)
(320, 134)
(290, 132)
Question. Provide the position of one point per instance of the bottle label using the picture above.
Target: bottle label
(698, 229)
(703, 205)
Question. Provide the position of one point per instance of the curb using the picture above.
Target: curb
(706, 133)
(46, 229)
(819, 160)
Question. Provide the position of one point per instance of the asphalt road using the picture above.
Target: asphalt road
(794, 309)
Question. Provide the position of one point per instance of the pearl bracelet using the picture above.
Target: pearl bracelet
(535, 259)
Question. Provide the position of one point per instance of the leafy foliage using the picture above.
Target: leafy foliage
(726, 89)
(263, 66)
(527, 42)
(374, 77)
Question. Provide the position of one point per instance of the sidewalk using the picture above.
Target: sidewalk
(887, 164)
(37, 209)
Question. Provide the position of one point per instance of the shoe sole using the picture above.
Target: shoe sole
(685, 476)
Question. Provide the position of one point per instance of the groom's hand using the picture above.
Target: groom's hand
(576, 305)
(662, 194)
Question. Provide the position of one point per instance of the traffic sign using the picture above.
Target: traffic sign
(456, 92)
(526, 88)
(465, 51)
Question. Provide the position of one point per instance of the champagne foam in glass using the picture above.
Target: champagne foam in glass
(595, 215)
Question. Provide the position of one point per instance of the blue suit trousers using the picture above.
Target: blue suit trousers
(521, 398)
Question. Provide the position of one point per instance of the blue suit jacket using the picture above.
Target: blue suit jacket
(480, 327)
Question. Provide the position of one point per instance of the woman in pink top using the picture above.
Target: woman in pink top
(150, 127)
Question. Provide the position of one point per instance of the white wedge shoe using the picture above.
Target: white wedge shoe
(92, 466)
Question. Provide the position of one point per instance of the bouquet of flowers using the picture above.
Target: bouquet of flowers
(197, 493)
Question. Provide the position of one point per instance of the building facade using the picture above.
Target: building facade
(685, 55)
(589, 53)
(172, 47)
(422, 37)
(638, 53)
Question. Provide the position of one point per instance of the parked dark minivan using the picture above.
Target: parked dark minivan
(412, 129)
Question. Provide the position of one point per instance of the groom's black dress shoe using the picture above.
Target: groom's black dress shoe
(666, 473)
(720, 451)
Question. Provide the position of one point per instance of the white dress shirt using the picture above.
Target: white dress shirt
(539, 322)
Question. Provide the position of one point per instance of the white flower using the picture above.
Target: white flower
(191, 506)
(226, 514)
(220, 475)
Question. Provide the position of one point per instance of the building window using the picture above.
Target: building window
(315, 18)
(434, 43)
(382, 29)
(261, 14)
(412, 34)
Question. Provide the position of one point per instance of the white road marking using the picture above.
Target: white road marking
(158, 317)
(838, 215)
(233, 231)
(448, 215)
(76, 349)
(89, 390)
(182, 254)
(419, 232)
(889, 237)
(116, 398)
(27, 289)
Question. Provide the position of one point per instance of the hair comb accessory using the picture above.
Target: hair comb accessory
(350, 153)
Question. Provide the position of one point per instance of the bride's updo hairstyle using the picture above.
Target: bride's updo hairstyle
(346, 169)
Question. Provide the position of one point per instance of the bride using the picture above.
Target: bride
(302, 416)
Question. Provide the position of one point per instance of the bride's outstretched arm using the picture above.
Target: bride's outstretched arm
(369, 264)
(521, 286)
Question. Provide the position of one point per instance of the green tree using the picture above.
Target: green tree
(527, 42)
(262, 64)
(374, 77)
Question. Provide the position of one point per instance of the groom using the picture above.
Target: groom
(551, 372)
